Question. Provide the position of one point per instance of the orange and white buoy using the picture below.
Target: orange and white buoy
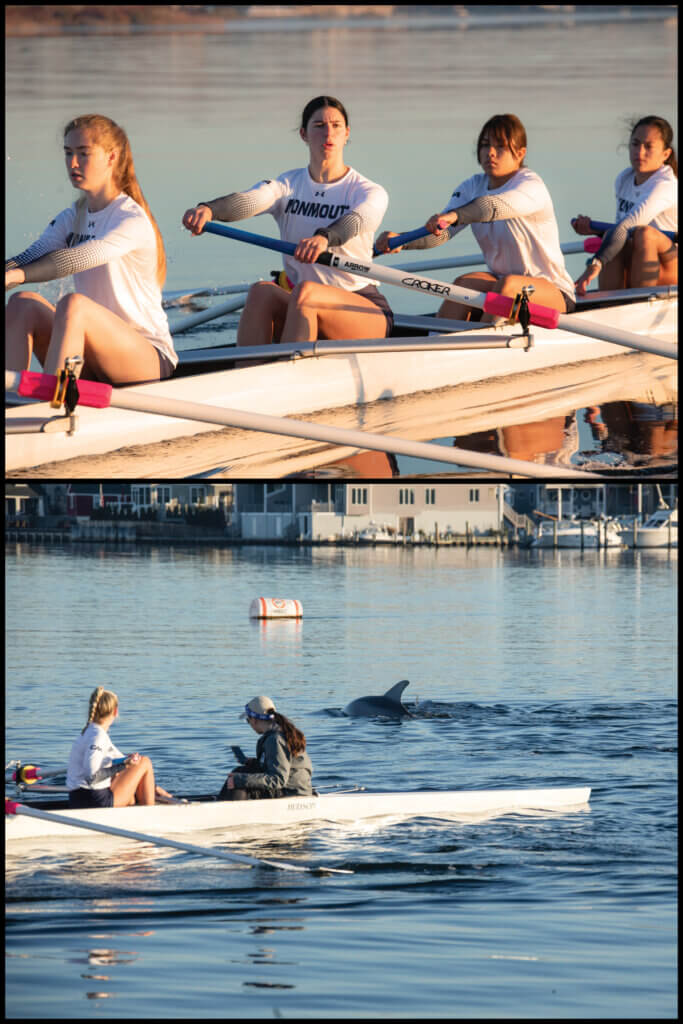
(275, 608)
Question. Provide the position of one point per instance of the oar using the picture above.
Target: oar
(181, 297)
(601, 225)
(28, 774)
(477, 259)
(206, 851)
(92, 393)
(408, 236)
(186, 322)
(490, 302)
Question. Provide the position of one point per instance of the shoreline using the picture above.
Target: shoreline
(34, 21)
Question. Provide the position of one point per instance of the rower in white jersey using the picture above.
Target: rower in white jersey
(326, 205)
(636, 253)
(111, 244)
(90, 778)
(513, 220)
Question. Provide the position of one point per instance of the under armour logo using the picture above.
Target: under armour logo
(91, 223)
(320, 193)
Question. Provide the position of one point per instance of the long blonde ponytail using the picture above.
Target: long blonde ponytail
(109, 135)
(102, 703)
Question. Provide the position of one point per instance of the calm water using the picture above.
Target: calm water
(209, 114)
(529, 669)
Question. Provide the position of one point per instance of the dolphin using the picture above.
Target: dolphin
(388, 705)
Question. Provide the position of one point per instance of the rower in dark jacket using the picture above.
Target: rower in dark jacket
(281, 766)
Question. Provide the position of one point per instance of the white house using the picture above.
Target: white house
(320, 511)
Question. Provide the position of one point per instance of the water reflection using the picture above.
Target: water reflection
(620, 413)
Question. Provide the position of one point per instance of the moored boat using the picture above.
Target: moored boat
(659, 531)
(375, 534)
(305, 381)
(578, 533)
(204, 814)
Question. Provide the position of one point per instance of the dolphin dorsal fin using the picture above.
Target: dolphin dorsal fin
(395, 692)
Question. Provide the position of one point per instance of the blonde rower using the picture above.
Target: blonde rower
(326, 205)
(110, 242)
(512, 219)
(93, 751)
(647, 206)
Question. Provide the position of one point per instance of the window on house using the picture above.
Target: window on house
(430, 496)
(474, 494)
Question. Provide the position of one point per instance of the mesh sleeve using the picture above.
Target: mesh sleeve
(81, 257)
(239, 205)
(30, 255)
(485, 209)
(347, 227)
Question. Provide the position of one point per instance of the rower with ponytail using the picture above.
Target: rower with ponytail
(281, 766)
(109, 241)
(93, 779)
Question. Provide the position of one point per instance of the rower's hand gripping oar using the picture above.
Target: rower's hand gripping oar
(400, 240)
(11, 807)
(489, 302)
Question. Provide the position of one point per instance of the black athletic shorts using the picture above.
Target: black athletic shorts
(374, 294)
(91, 797)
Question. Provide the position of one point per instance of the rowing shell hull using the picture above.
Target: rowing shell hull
(175, 819)
(309, 385)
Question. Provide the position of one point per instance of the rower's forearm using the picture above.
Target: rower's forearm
(44, 269)
(235, 206)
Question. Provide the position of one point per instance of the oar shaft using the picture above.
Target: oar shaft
(317, 432)
(187, 322)
(403, 239)
(338, 436)
(491, 302)
(175, 844)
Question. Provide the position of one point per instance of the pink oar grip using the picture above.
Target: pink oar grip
(42, 386)
(10, 806)
(592, 244)
(500, 305)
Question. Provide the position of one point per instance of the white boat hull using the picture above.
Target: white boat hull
(659, 531)
(177, 819)
(308, 385)
(656, 539)
(591, 537)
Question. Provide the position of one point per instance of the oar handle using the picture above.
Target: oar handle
(601, 225)
(276, 244)
(399, 240)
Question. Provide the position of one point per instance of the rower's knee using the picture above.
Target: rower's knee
(305, 294)
(643, 236)
(72, 306)
(23, 306)
(262, 291)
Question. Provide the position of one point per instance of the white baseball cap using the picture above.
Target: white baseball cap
(259, 707)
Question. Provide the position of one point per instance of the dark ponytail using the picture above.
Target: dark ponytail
(295, 739)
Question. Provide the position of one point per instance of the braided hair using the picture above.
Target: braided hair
(102, 703)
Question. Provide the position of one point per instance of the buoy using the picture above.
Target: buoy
(275, 608)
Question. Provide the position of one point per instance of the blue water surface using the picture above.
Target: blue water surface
(526, 669)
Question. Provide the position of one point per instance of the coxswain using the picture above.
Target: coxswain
(281, 766)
